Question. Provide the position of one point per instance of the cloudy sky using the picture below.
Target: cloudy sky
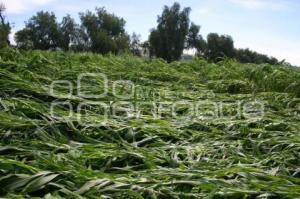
(267, 26)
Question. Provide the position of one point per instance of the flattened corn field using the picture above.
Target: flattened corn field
(212, 151)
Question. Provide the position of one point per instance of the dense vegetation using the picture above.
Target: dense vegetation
(211, 127)
(4, 28)
(188, 156)
(103, 32)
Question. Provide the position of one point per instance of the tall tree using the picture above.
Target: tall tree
(195, 40)
(135, 44)
(4, 28)
(23, 39)
(105, 31)
(80, 41)
(67, 30)
(219, 47)
(167, 41)
(42, 30)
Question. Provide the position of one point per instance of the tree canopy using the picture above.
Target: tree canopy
(99, 32)
(103, 32)
(167, 41)
(41, 31)
(195, 40)
(219, 47)
(5, 28)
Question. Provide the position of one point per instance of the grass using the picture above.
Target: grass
(229, 156)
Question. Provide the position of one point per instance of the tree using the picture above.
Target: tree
(248, 56)
(4, 28)
(195, 40)
(135, 44)
(80, 40)
(67, 30)
(145, 47)
(219, 47)
(105, 31)
(23, 39)
(42, 30)
(167, 41)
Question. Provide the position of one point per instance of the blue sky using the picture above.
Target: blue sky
(267, 26)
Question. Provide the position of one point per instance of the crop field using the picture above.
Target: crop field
(92, 126)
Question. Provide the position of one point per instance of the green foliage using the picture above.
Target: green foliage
(195, 40)
(4, 28)
(24, 39)
(42, 156)
(248, 56)
(99, 32)
(41, 30)
(68, 29)
(219, 47)
(105, 31)
(135, 45)
(167, 41)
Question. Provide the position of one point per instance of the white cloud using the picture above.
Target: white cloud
(21, 6)
(261, 4)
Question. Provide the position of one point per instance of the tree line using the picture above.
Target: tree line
(103, 32)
